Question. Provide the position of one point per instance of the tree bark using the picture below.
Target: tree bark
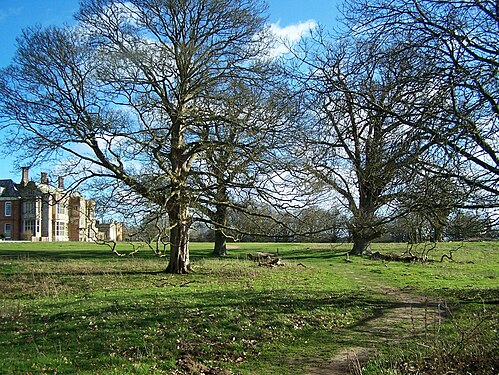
(220, 247)
(360, 245)
(180, 221)
(364, 227)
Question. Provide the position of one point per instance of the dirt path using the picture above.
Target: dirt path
(346, 361)
(404, 316)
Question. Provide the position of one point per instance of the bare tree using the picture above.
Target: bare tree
(471, 225)
(131, 92)
(316, 224)
(246, 154)
(355, 143)
(459, 39)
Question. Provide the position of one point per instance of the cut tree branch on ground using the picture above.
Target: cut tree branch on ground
(266, 259)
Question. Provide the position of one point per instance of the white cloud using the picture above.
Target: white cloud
(286, 37)
(292, 33)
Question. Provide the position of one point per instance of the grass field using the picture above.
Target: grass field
(71, 308)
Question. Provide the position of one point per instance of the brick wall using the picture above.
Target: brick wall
(14, 219)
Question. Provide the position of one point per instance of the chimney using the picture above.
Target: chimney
(44, 179)
(25, 176)
(60, 182)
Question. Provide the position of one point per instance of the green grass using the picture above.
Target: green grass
(70, 308)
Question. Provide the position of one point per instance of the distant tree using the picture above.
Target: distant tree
(429, 201)
(130, 94)
(315, 224)
(258, 222)
(467, 225)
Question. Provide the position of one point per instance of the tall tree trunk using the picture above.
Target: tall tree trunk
(180, 222)
(220, 247)
(364, 230)
(178, 202)
(362, 225)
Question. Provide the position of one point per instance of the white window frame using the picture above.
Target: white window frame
(60, 229)
(29, 207)
(8, 208)
(61, 209)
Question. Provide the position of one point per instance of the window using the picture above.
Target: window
(8, 208)
(29, 226)
(7, 231)
(60, 229)
(61, 209)
(29, 207)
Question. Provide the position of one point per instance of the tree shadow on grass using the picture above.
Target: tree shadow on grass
(56, 255)
(217, 327)
(91, 253)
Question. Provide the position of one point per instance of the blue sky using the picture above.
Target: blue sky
(16, 15)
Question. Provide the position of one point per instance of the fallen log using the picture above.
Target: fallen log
(262, 255)
(271, 262)
(398, 258)
(267, 254)
(266, 259)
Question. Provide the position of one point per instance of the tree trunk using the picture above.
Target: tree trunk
(438, 233)
(220, 220)
(220, 243)
(180, 221)
(363, 230)
(360, 245)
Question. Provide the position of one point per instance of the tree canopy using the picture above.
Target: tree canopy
(460, 39)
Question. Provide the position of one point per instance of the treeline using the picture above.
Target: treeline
(330, 226)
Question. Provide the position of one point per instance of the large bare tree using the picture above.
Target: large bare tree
(356, 143)
(131, 91)
(459, 39)
(246, 154)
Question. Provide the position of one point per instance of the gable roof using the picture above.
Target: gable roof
(12, 190)
(9, 189)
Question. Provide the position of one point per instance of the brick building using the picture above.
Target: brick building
(42, 212)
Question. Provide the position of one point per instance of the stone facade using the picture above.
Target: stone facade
(110, 231)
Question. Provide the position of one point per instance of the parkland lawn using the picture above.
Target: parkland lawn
(68, 308)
